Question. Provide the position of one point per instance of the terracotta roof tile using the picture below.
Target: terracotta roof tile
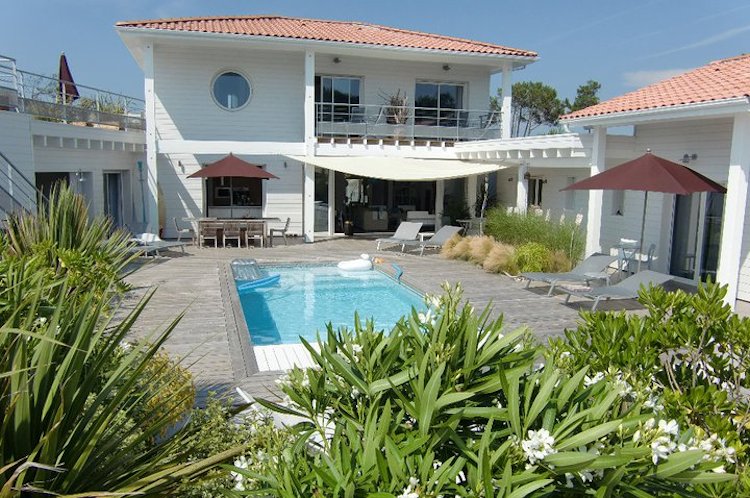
(719, 80)
(322, 30)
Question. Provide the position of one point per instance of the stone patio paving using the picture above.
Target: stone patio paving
(207, 337)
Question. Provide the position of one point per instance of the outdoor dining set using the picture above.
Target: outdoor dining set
(215, 231)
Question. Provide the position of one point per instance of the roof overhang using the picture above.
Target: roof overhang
(401, 168)
(136, 38)
(717, 108)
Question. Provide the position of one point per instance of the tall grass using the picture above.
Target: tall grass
(520, 228)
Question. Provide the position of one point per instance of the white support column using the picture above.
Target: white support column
(151, 173)
(471, 194)
(331, 202)
(522, 188)
(505, 109)
(308, 202)
(735, 205)
(310, 103)
(596, 197)
(439, 203)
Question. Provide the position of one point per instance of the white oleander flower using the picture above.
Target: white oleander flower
(650, 424)
(661, 448)
(356, 348)
(410, 491)
(538, 445)
(590, 381)
(671, 427)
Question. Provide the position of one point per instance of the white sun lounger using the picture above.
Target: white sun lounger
(625, 289)
(150, 243)
(436, 241)
(589, 269)
(407, 231)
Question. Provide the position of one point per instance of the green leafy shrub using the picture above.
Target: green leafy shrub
(520, 228)
(532, 257)
(687, 357)
(219, 427)
(447, 405)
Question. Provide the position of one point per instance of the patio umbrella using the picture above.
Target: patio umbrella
(67, 88)
(649, 173)
(232, 166)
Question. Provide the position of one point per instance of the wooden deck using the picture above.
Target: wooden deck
(208, 337)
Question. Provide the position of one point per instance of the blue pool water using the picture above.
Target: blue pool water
(308, 297)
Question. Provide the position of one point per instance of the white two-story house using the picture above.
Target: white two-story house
(700, 118)
(353, 118)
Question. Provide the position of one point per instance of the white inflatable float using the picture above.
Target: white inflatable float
(364, 263)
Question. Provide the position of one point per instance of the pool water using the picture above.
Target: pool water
(308, 297)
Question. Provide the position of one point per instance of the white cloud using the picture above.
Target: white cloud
(710, 40)
(638, 79)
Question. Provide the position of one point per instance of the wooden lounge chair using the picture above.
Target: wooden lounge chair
(625, 289)
(436, 241)
(587, 270)
(407, 231)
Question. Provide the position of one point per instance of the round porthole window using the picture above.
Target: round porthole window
(231, 90)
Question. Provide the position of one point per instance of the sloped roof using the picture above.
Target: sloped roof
(720, 80)
(359, 33)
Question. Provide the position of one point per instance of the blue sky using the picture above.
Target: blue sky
(623, 45)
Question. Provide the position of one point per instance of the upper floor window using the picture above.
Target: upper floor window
(438, 104)
(231, 90)
(337, 98)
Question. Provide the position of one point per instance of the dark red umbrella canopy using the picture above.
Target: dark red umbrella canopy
(67, 88)
(233, 166)
(652, 174)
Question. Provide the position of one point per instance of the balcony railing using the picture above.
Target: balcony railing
(40, 96)
(405, 123)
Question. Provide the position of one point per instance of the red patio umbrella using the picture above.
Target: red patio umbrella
(67, 88)
(649, 173)
(232, 166)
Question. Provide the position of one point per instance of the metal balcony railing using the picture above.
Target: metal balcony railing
(17, 192)
(44, 97)
(405, 122)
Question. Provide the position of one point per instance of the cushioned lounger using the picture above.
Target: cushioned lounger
(406, 231)
(625, 289)
(436, 241)
(593, 264)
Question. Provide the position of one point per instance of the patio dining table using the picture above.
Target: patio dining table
(198, 222)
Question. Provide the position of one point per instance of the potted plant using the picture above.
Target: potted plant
(396, 107)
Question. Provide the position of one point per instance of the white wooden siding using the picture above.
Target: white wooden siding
(93, 163)
(15, 142)
(183, 197)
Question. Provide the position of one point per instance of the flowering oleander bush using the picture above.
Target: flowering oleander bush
(686, 359)
(448, 404)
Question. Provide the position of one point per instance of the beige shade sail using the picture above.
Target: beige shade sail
(404, 169)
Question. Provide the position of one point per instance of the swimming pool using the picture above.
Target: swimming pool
(308, 297)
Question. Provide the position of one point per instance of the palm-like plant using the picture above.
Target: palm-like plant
(80, 412)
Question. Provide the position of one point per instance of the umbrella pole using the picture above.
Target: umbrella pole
(643, 228)
(231, 197)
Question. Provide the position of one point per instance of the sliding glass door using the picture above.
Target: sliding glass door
(696, 236)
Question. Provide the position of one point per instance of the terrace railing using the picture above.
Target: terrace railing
(17, 192)
(405, 122)
(44, 97)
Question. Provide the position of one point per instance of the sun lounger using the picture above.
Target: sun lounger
(407, 231)
(625, 289)
(591, 268)
(150, 244)
(436, 241)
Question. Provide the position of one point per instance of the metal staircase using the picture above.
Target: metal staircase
(17, 193)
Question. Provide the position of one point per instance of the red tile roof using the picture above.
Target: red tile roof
(335, 31)
(719, 80)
